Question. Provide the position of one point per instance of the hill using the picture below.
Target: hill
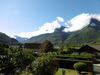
(6, 39)
(57, 37)
(89, 34)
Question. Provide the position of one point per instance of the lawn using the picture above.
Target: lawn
(59, 72)
(71, 72)
(67, 72)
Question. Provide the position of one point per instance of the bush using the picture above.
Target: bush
(52, 53)
(80, 66)
(44, 66)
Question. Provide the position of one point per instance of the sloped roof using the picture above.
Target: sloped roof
(92, 48)
(97, 47)
(32, 45)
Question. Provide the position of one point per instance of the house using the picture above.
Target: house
(93, 49)
(32, 45)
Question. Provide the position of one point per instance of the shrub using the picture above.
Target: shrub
(80, 66)
(52, 53)
(44, 65)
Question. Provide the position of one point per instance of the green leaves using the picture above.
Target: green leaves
(80, 66)
(44, 66)
(12, 58)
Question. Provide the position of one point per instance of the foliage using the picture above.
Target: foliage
(89, 55)
(68, 50)
(80, 66)
(72, 55)
(52, 53)
(13, 58)
(44, 66)
(46, 46)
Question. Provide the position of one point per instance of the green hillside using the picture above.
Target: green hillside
(86, 35)
(6, 39)
(89, 34)
(57, 38)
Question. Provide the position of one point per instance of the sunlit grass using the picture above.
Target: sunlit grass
(70, 72)
(67, 72)
(59, 72)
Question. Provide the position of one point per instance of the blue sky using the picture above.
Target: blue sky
(22, 16)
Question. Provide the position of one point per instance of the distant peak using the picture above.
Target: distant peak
(94, 22)
(60, 29)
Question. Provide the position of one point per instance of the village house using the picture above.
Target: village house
(93, 49)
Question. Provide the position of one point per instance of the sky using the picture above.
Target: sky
(28, 18)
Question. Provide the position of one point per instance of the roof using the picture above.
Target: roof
(91, 48)
(32, 45)
(97, 47)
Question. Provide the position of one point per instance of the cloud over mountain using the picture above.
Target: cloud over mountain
(46, 28)
(80, 21)
(76, 23)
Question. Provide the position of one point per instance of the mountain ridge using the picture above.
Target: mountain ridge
(90, 33)
(6, 39)
(58, 37)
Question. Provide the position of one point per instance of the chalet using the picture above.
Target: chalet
(32, 45)
(93, 49)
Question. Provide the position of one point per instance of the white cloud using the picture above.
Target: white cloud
(60, 19)
(96, 16)
(67, 25)
(76, 23)
(80, 21)
(46, 28)
(12, 36)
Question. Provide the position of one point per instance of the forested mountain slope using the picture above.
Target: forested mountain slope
(6, 39)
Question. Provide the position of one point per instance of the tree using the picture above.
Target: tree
(46, 46)
(6, 64)
(13, 58)
(44, 65)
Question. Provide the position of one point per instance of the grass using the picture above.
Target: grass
(71, 72)
(59, 72)
(67, 72)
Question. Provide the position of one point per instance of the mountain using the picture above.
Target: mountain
(20, 39)
(57, 37)
(6, 39)
(90, 33)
